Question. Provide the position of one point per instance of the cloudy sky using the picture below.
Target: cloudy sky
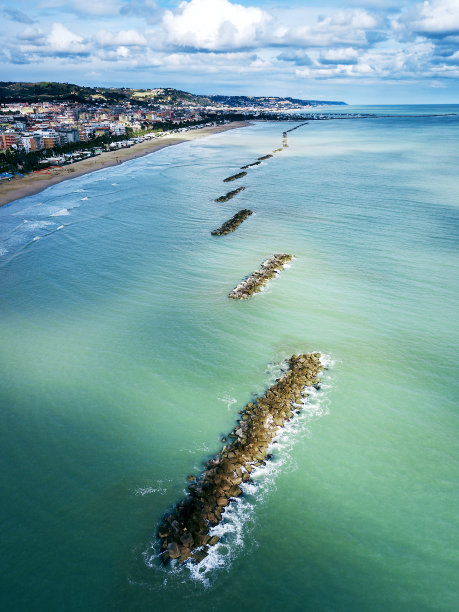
(360, 51)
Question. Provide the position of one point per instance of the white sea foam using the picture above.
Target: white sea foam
(37, 224)
(60, 227)
(238, 518)
(83, 199)
(159, 488)
(60, 213)
(228, 400)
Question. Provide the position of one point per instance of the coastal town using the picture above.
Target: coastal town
(65, 132)
(45, 125)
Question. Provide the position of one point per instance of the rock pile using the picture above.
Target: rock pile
(264, 157)
(184, 533)
(257, 163)
(229, 195)
(258, 279)
(233, 223)
(234, 177)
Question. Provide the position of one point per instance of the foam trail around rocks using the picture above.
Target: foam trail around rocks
(186, 532)
(237, 522)
(255, 283)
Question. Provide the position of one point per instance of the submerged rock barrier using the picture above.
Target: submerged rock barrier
(277, 150)
(229, 195)
(234, 177)
(269, 269)
(184, 533)
(296, 127)
(257, 163)
(264, 157)
(230, 225)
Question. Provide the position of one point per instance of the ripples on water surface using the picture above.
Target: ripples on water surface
(123, 362)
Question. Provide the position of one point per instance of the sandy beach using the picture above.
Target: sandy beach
(35, 182)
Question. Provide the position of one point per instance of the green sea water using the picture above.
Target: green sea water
(122, 362)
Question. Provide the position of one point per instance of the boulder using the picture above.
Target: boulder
(173, 550)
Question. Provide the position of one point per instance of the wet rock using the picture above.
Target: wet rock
(234, 177)
(264, 157)
(230, 195)
(257, 163)
(187, 540)
(213, 540)
(204, 507)
(233, 223)
(258, 279)
(173, 550)
(200, 555)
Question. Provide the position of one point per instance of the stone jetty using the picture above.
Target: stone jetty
(229, 195)
(184, 533)
(295, 127)
(235, 177)
(233, 223)
(257, 163)
(269, 269)
(264, 157)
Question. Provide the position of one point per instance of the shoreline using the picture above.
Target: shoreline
(33, 183)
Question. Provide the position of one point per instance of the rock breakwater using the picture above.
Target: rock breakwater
(257, 163)
(233, 223)
(263, 157)
(296, 127)
(269, 269)
(184, 534)
(235, 177)
(229, 195)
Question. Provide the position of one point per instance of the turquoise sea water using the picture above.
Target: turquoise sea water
(123, 362)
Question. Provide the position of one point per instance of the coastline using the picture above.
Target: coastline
(33, 183)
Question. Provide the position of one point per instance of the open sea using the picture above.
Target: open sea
(123, 362)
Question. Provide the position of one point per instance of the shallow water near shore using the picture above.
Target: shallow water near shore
(123, 362)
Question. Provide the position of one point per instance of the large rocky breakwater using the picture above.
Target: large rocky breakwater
(229, 195)
(233, 223)
(254, 283)
(234, 177)
(185, 532)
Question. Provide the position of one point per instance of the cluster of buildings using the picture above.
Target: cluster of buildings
(46, 125)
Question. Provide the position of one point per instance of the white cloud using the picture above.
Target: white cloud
(340, 56)
(31, 34)
(342, 28)
(62, 40)
(395, 63)
(437, 17)
(432, 19)
(123, 37)
(214, 25)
